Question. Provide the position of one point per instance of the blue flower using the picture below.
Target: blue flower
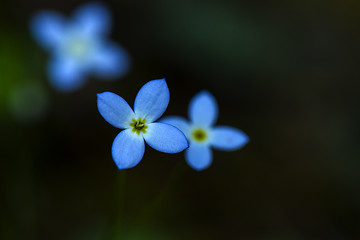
(201, 133)
(78, 46)
(150, 103)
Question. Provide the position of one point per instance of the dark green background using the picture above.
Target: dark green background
(285, 72)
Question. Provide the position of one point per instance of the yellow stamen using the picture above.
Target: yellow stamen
(138, 125)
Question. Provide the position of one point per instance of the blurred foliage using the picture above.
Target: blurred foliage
(286, 73)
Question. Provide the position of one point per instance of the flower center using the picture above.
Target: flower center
(199, 135)
(138, 125)
(78, 48)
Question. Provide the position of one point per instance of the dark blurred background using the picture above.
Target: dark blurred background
(285, 72)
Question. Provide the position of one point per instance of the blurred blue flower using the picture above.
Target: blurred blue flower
(150, 103)
(79, 46)
(201, 133)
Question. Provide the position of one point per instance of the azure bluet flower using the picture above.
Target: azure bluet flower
(151, 102)
(78, 46)
(202, 134)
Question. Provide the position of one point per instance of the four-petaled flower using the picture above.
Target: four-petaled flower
(203, 112)
(150, 103)
(78, 47)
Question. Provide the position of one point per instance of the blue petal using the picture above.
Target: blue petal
(228, 138)
(179, 122)
(48, 29)
(114, 109)
(152, 100)
(198, 156)
(203, 109)
(65, 75)
(93, 18)
(165, 138)
(111, 62)
(128, 149)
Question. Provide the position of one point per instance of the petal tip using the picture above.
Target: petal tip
(186, 144)
(94, 7)
(229, 138)
(123, 168)
(200, 169)
(100, 95)
(205, 93)
(162, 80)
(246, 141)
(120, 168)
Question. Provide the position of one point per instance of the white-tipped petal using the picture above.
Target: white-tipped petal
(203, 109)
(152, 100)
(114, 109)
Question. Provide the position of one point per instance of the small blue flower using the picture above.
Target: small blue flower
(201, 133)
(79, 46)
(150, 103)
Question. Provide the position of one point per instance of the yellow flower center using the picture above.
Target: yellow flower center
(138, 125)
(199, 135)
